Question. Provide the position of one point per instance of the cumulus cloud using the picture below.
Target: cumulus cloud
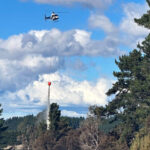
(64, 90)
(16, 74)
(23, 57)
(56, 43)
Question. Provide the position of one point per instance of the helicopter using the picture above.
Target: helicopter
(52, 17)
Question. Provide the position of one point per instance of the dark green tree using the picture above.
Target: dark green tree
(2, 128)
(59, 127)
(54, 116)
(131, 102)
(132, 99)
(1, 121)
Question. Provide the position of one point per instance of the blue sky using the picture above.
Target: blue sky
(77, 53)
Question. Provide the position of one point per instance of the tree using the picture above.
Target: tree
(131, 102)
(92, 138)
(54, 116)
(51, 139)
(1, 122)
(2, 127)
(89, 137)
(142, 138)
(70, 141)
(59, 127)
(145, 19)
(45, 141)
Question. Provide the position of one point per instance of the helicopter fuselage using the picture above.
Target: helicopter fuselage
(52, 17)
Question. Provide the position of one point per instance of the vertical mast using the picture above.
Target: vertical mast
(48, 106)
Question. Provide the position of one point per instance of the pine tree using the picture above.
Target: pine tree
(131, 103)
(54, 116)
(59, 127)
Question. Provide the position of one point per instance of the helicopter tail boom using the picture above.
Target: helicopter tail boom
(47, 17)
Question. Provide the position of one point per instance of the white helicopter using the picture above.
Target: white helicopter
(52, 17)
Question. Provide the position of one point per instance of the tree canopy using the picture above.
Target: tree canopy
(131, 102)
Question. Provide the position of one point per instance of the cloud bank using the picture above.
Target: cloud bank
(64, 90)
(56, 43)
(23, 57)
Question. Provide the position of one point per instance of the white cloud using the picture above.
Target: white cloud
(72, 114)
(131, 32)
(127, 33)
(133, 10)
(56, 43)
(23, 57)
(64, 90)
(82, 37)
(87, 3)
(16, 74)
(101, 22)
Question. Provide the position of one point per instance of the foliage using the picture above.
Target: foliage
(54, 116)
(29, 120)
(73, 122)
(44, 142)
(58, 126)
(9, 138)
(145, 19)
(70, 141)
(48, 141)
(2, 128)
(132, 99)
(131, 102)
(30, 129)
(92, 137)
(38, 137)
(142, 138)
(16, 127)
(88, 136)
